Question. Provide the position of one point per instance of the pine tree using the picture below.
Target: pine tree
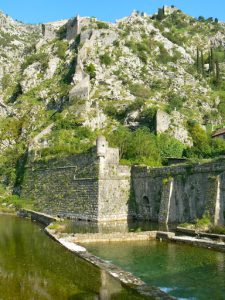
(202, 64)
(212, 70)
(218, 75)
(210, 62)
(198, 63)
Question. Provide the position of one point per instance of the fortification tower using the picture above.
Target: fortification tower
(102, 146)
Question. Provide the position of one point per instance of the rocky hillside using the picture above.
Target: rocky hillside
(155, 85)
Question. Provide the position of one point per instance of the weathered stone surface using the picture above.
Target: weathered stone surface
(95, 187)
(75, 25)
(49, 30)
(114, 237)
(181, 193)
(81, 90)
(91, 186)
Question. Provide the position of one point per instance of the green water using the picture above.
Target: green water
(34, 267)
(185, 272)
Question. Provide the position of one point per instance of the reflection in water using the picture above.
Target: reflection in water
(112, 227)
(108, 289)
(185, 272)
(32, 266)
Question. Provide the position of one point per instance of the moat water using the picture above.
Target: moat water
(123, 226)
(34, 267)
(184, 272)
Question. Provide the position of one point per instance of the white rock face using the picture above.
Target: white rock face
(163, 121)
(3, 109)
(133, 59)
(218, 40)
(177, 128)
(30, 77)
(52, 66)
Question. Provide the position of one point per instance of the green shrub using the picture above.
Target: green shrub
(169, 146)
(175, 37)
(137, 104)
(204, 222)
(102, 25)
(105, 59)
(91, 70)
(69, 122)
(217, 229)
(62, 32)
(164, 57)
(218, 147)
(112, 111)
(41, 57)
(175, 102)
(64, 141)
(61, 47)
(201, 142)
(16, 92)
(140, 90)
(116, 43)
(148, 118)
(138, 147)
(142, 49)
(221, 106)
(18, 202)
(6, 81)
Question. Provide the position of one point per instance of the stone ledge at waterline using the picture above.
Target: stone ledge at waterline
(126, 278)
(95, 187)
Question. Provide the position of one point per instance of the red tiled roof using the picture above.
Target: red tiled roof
(218, 132)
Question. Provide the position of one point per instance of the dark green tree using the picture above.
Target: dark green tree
(218, 74)
(212, 61)
(198, 64)
(202, 64)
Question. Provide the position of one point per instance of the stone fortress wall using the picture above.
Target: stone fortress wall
(181, 193)
(90, 186)
(96, 187)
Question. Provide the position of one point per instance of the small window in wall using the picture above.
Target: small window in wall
(146, 208)
(146, 201)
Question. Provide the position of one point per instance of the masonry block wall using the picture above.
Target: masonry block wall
(180, 193)
(91, 186)
(65, 187)
(95, 187)
(114, 184)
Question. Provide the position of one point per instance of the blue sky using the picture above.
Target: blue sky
(39, 11)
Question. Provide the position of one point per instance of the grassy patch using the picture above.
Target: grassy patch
(15, 202)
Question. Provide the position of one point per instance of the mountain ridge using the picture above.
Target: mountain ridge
(156, 78)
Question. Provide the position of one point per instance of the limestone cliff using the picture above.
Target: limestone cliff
(62, 82)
